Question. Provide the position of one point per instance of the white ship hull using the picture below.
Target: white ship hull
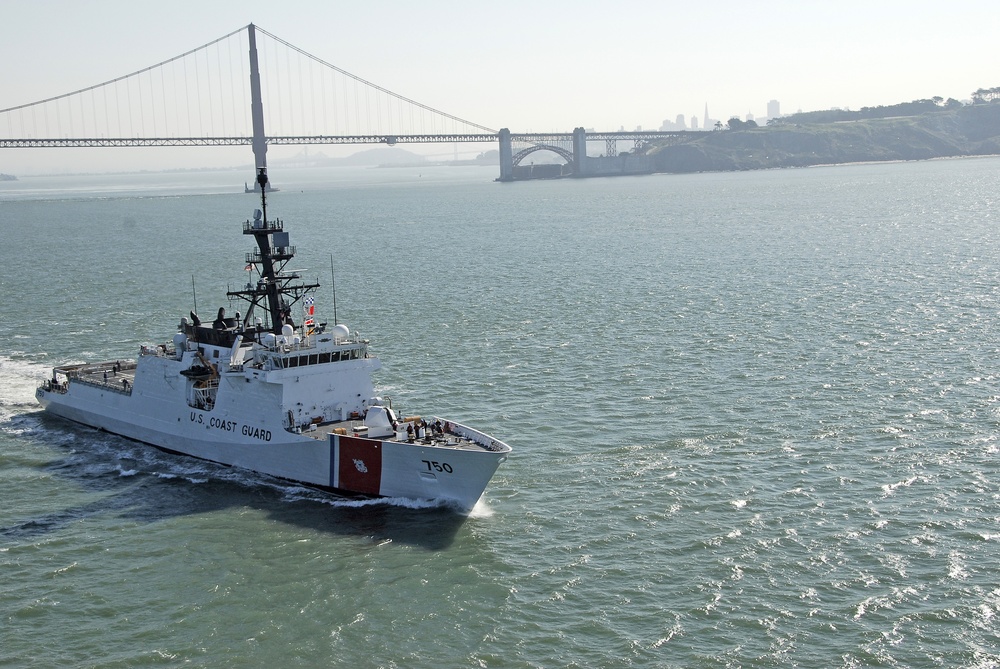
(454, 474)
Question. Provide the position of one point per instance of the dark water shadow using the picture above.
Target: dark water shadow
(143, 484)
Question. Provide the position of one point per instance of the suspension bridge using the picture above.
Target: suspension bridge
(215, 95)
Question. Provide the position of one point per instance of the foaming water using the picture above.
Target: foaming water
(20, 379)
(754, 418)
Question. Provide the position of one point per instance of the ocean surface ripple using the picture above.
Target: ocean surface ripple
(754, 416)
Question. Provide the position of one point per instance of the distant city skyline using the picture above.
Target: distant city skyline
(705, 122)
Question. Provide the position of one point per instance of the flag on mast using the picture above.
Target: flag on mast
(309, 309)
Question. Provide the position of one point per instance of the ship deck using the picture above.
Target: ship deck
(119, 376)
(432, 439)
(115, 375)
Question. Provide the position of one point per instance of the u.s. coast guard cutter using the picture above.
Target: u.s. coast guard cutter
(295, 401)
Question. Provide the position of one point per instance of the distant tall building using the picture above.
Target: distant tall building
(773, 109)
(671, 126)
(694, 122)
(708, 123)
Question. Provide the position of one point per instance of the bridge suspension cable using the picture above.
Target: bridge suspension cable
(377, 87)
(201, 97)
(125, 76)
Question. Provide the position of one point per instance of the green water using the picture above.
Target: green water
(754, 417)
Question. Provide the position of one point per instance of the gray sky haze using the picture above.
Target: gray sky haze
(532, 66)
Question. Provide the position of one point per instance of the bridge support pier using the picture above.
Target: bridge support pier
(579, 152)
(506, 156)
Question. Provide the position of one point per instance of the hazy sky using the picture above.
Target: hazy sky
(532, 65)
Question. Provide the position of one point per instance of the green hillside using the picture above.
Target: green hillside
(963, 130)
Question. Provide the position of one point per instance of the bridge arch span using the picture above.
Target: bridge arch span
(523, 153)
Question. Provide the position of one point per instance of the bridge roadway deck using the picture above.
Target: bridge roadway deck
(478, 138)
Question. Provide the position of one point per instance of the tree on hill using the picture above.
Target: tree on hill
(914, 108)
(986, 95)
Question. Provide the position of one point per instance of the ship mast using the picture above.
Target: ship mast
(273, 252)
(266, 259)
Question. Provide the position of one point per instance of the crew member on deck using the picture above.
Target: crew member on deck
(220, 320)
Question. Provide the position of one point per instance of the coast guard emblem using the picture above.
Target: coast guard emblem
(356, 464)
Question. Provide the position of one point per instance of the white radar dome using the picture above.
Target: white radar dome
(341, 331)
(287, 330)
